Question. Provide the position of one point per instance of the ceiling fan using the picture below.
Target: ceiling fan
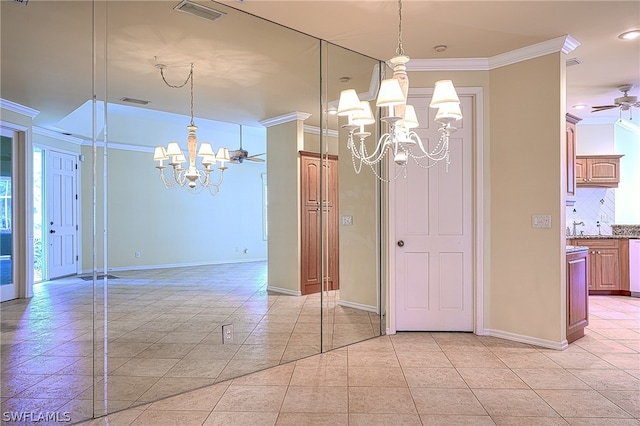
(239, 155)
(624, 102)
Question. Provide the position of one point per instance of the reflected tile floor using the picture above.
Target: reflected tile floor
(432, 379)
(163, 336)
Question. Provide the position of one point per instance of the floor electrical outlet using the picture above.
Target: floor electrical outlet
(227, 333)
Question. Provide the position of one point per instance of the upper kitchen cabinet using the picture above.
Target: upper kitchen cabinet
(570, 146)
(599, 171)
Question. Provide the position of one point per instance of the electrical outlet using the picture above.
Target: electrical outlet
(227, 333)
(541, 221)
(137, 254)
(347, 220)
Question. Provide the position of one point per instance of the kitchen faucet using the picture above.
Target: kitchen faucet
(576, 224)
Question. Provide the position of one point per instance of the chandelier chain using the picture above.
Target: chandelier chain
(180, 86)
(400, 50)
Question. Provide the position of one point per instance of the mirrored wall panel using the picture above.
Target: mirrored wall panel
(197, 211)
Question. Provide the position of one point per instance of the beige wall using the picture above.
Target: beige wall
(359, 243)
(283, 172)
(527, 269)
(523, 270)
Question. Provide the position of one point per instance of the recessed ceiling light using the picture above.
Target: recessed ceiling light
(629, 35)
(580, 106)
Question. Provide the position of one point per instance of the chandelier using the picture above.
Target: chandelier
(400, 141)
(192, 177)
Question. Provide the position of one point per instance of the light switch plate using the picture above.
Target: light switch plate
(541, 221)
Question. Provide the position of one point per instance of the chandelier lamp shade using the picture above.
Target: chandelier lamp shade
(400, 141)
(193, 177)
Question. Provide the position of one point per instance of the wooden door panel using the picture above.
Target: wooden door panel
(312, 270)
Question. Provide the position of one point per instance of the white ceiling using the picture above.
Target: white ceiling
(247, 70)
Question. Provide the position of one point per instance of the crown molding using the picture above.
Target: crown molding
(564, 44)
(449, 64)
(56, 135)
(286, 118)
(315, 130)
(17, 108)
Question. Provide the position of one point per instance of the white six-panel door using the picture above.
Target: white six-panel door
(61, 214)
(433, 211)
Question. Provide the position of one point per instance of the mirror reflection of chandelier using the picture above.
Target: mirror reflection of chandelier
(401, 141)
(192, 177)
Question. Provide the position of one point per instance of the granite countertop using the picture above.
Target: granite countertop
(595, 237)
(576, 249)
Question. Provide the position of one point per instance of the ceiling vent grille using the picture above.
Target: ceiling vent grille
(199, 10)
(134, 101)
(573, 61)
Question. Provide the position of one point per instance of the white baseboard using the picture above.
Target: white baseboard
(284, 291)
(171, 265)
(560, 346)
(359, 306)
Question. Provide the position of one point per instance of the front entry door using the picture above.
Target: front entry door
(433, 218)
(62, 218)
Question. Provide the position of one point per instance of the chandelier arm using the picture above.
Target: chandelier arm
(378, 154)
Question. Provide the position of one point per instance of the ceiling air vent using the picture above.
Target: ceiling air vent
(134, 101)
(199, 10)
(573, 61)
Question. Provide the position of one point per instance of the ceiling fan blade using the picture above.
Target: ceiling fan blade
(257, 160)
(602, 107)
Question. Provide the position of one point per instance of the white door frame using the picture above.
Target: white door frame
(22, 240)
(478, 217)
(76, 208)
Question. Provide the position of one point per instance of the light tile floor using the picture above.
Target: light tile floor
(163, 336)
(432, 379)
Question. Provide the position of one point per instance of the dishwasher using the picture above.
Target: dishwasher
(634, 267)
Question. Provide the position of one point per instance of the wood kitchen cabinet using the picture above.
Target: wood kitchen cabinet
(601, 171)
(608, 265)
(577, 294)
(570, 146)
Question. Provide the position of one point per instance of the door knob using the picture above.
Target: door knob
(400, 243)
(53, 231)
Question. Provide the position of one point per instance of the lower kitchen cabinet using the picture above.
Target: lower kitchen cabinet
(608, 265)
(577, 294)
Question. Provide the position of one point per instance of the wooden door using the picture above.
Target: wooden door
(433, 219)
(317, 236)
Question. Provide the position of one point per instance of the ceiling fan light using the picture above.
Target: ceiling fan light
(629, 35)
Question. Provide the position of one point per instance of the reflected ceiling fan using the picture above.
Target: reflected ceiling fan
(240, 155)
(624, 102)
